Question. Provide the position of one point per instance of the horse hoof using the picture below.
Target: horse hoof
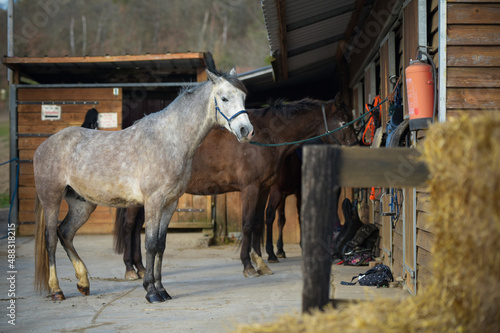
(264, 271)
(154, 298)
(163, 294)
(83, 290)
(141, 273)
(250, 272)
(272, 259)
(58, 296)
(131, 275)
(281, 255)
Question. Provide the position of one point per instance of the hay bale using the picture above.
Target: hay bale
(463, 156)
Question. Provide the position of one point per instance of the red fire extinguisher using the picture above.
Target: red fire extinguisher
(421, 92)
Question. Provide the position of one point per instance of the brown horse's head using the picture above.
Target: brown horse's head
(346, 136)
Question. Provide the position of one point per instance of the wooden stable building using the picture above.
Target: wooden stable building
(52, 93)
(366, 46)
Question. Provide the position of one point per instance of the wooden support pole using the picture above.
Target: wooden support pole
(319, 187)
(324, 169)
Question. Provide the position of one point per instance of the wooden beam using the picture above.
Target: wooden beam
(100, 59)
(380, 167)
(324, 169)
(283, 56)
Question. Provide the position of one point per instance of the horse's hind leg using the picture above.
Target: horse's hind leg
(281, 224)
(274, 199)
(129, 239)
(78, 213)
(136, 244)
(51, 219)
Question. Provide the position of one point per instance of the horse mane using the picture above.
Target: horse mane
(189, 89)
(286, 108)
(229, 78)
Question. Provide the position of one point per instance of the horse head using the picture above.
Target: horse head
(339, 116)
(228, 96)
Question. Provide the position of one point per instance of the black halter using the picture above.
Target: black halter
(217, 110)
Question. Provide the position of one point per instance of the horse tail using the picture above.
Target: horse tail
(119, 231)
(41, 281)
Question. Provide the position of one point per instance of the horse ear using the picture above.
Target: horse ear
(338, 99)
(233, 72)
(213, 77)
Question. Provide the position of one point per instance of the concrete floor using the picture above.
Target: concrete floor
(210, 293)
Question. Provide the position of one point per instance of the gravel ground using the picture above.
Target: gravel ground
(210, 293)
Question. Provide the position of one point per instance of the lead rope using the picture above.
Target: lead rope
(324, 116)
(318, 136)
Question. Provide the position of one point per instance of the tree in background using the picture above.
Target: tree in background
(232, 30)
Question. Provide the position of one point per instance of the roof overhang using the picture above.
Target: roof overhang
(308, 37)
(169, 67)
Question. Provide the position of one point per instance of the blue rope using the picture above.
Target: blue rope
(15, 188)
(318, 136)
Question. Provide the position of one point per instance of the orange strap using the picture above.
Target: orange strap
(371, 122)
(373, 195)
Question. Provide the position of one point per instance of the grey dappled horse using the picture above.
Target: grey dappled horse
(89, 168)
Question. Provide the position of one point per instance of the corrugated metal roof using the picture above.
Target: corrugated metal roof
(310, 33)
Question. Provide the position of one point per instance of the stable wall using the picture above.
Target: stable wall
(32, 131)
(472, 87)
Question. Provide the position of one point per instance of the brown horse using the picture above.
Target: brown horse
(252, 170)
(289, 183)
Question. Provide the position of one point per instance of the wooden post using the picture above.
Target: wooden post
(319, 188)
(324, 169)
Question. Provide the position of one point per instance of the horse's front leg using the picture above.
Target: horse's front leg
(162, 241)
(249, 197)
(258, 233)
(157, 219)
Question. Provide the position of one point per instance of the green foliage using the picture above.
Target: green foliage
(4, 200)
(4, 130)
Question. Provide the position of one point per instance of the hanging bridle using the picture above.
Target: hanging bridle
(326, 124)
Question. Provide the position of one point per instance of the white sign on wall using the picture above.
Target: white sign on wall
(51, 112)
(107, 120)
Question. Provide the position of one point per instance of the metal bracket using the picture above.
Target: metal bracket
(413, 274)
(389, 252)
(56, 103)
(189, 210)
(382, 213)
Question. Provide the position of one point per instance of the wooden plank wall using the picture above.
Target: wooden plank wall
(473, 87)
(473, 59)
(30, 123)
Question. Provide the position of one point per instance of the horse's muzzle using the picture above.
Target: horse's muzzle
(246, 133)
